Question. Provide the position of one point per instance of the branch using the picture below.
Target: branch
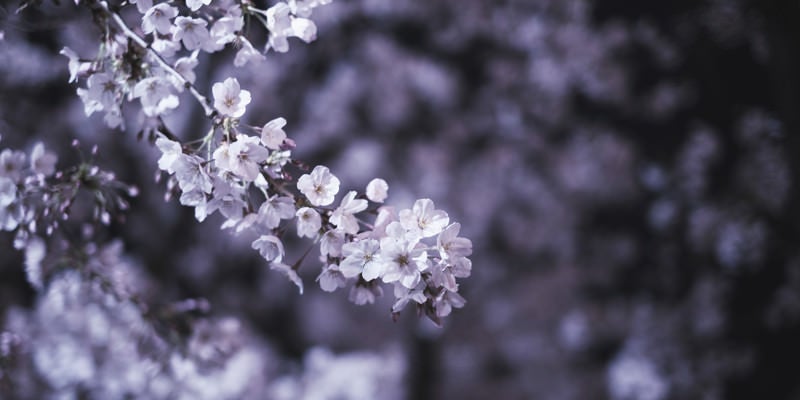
(209, 111)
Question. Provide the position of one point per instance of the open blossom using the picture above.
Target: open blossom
(343, 216)
(403, 261)
(42, 162)
(227, 198)
(272, 134)
(305, 29)
(75, 65)
(184, 66)
(308, 222)
(446, 301)
(361, 258)
(303, 8)
(195, 5)
(331, 243)
(320, 187)
(450, 245)
(9, 218)
(331, 278)
(142, 5)
(192, 32)
(191, 174)
(156, 96)
(270, 247)
(405, 294)
(8, 192)
(275, 209)
(365, 292)
(101, 88)
(226, 30)
(12, 162)
(242, 157)
(247, 53)
(377, 190)
(167, 48)
(158, 19)
(170, 151)
(229, 98)
(424, 219)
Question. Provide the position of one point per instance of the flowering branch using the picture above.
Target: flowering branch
(417, 251)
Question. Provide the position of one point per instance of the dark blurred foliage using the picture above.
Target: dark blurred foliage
(626, 171)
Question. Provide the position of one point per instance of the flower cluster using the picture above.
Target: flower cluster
(155, 61)
(417, 250)
(35, 198)
(241, 170)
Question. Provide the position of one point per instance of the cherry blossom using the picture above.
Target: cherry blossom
(343, 216)
(319, 187)
(308, 222)
(377, 190)
(229, 98)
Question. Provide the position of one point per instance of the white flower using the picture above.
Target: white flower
(450, 245)
(35, 252)
(279, 20)
(377, 190)
(343, 217)
(304, 29)
(272, 134)
(170, 152)
(198, 200)
(442, 276)
(320, 187)
(102, 89)
(157, 19)
(191, 173)
(302, 8)
(446, 301)
(362, 258)
(184, 66)
(195, 5)
(404, 294)
(229, 98)
(362, 293)
(75, 65)
(8, 192)
(270, 247)
(42, 162)
(227, 198)
(402, 261)
(156, 96)
(247, 54)
(167, 48)
(242, 157)
(424, 219)
(225, 30)
(331, 278)
(331, 243)
(142, 5)
(10, 217)
(12, 162)
(308, 222)
(279, 24)
(289, 272)
(192, 32)
(275, 209)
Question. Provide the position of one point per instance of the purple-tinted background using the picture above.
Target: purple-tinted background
(625, 172)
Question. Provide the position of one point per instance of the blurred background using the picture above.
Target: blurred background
(626, 171)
